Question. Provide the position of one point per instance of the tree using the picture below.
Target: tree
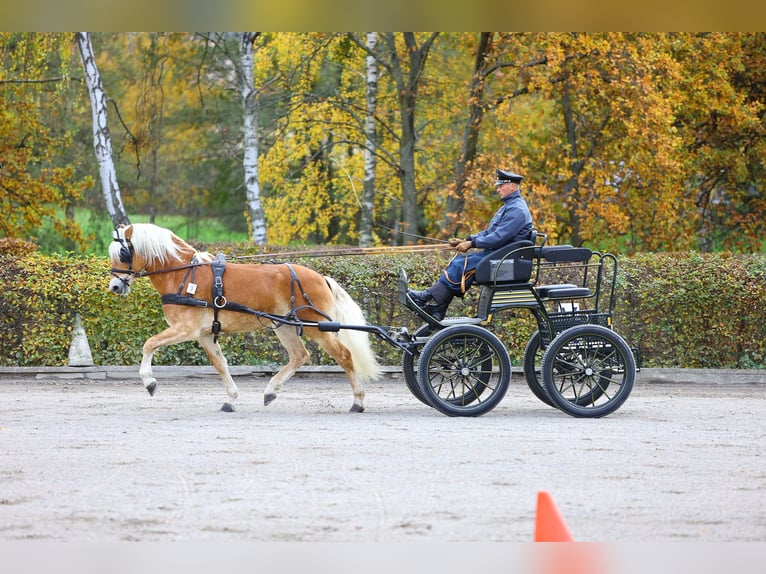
(34, 84)
(595, 132)
(723, 119)
(371, 143)
(250, 156)
(102, 141)
(407, 80)
(469, 147)
(628, 141)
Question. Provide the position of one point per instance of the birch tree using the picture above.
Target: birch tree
(406, 71)
(370, 159)
(456, 198)
(250, 157)
(102, 141)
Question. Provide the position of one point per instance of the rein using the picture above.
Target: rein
(342, 252)
(145, 273)
(219, 301)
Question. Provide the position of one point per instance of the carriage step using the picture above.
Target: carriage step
(404, 299)
(449, 321)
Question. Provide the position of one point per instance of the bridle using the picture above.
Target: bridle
(126, 256)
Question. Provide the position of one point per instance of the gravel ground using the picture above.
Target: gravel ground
(103, 461)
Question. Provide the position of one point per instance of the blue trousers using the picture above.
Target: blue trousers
(459, 274)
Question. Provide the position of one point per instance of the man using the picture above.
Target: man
(512, 222)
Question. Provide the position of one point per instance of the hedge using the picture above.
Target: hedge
(679, 310)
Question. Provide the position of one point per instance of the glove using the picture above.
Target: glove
(455, 241)
(464, 246)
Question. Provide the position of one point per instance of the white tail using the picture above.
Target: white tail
(358, 342)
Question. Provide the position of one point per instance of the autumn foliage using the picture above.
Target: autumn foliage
(631, 142)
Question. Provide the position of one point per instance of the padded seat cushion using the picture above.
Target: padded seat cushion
(563, 291)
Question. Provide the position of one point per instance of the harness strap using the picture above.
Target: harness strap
(178, 299)
(293, 315)
(188, 279)
(219, 301)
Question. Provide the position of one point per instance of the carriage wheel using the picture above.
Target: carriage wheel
(533, 359)
(410, 364)
(464, 370)
(588, 371)
(410, 370)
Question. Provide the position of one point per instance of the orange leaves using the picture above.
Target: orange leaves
(34, 182)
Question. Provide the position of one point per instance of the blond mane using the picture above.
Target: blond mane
(151, 242)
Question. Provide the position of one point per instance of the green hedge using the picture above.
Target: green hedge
(680, 310)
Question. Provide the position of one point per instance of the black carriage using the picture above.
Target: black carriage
(575, 361)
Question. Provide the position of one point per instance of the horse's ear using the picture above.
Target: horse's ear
(128, 231)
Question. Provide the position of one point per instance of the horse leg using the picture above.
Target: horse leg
(218, 360)
(169, 336)
(298, 355)
(342, 356)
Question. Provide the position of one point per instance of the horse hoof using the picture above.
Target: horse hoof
(355, 408)
(227, 408)
(151, 387)
(268, 398)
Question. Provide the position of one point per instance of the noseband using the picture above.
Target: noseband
(126, 256)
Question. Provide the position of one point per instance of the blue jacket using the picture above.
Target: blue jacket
(512, 222)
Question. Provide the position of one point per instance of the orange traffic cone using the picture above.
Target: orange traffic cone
(549, 526)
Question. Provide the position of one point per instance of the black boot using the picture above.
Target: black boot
(437, 310)
(443, 297)
(420, 298)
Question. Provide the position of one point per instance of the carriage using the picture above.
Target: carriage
(575, 361)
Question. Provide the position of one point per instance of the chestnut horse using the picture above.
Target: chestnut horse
(266, 292)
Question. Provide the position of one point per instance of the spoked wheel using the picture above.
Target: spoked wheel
(410, 365)
(588, 371)
(533, 359)
(464, 370)
(410, 371)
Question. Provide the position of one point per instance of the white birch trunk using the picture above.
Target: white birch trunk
(250, 158)
(102, 141)
(370, 136)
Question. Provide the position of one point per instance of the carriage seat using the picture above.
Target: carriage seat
(555, 254)
(512, 270)
(562, 291)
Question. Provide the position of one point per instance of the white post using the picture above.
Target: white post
(79, 350)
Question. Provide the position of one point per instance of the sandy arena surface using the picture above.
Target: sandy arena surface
(103, 461)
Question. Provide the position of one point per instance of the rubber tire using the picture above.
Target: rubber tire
(532, 375)
(531, 354)
(591, 367)
(443, 355)
(409, 369)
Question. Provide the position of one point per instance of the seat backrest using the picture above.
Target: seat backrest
(566, 254)
(485, 266)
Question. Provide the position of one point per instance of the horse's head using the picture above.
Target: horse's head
(122, 254)
(143, 249)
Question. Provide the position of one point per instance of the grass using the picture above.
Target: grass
(98, 226)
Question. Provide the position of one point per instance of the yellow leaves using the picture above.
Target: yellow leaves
(34, 183)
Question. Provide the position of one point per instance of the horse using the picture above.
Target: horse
(289, 299)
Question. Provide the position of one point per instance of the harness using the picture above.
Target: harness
(219, 300)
